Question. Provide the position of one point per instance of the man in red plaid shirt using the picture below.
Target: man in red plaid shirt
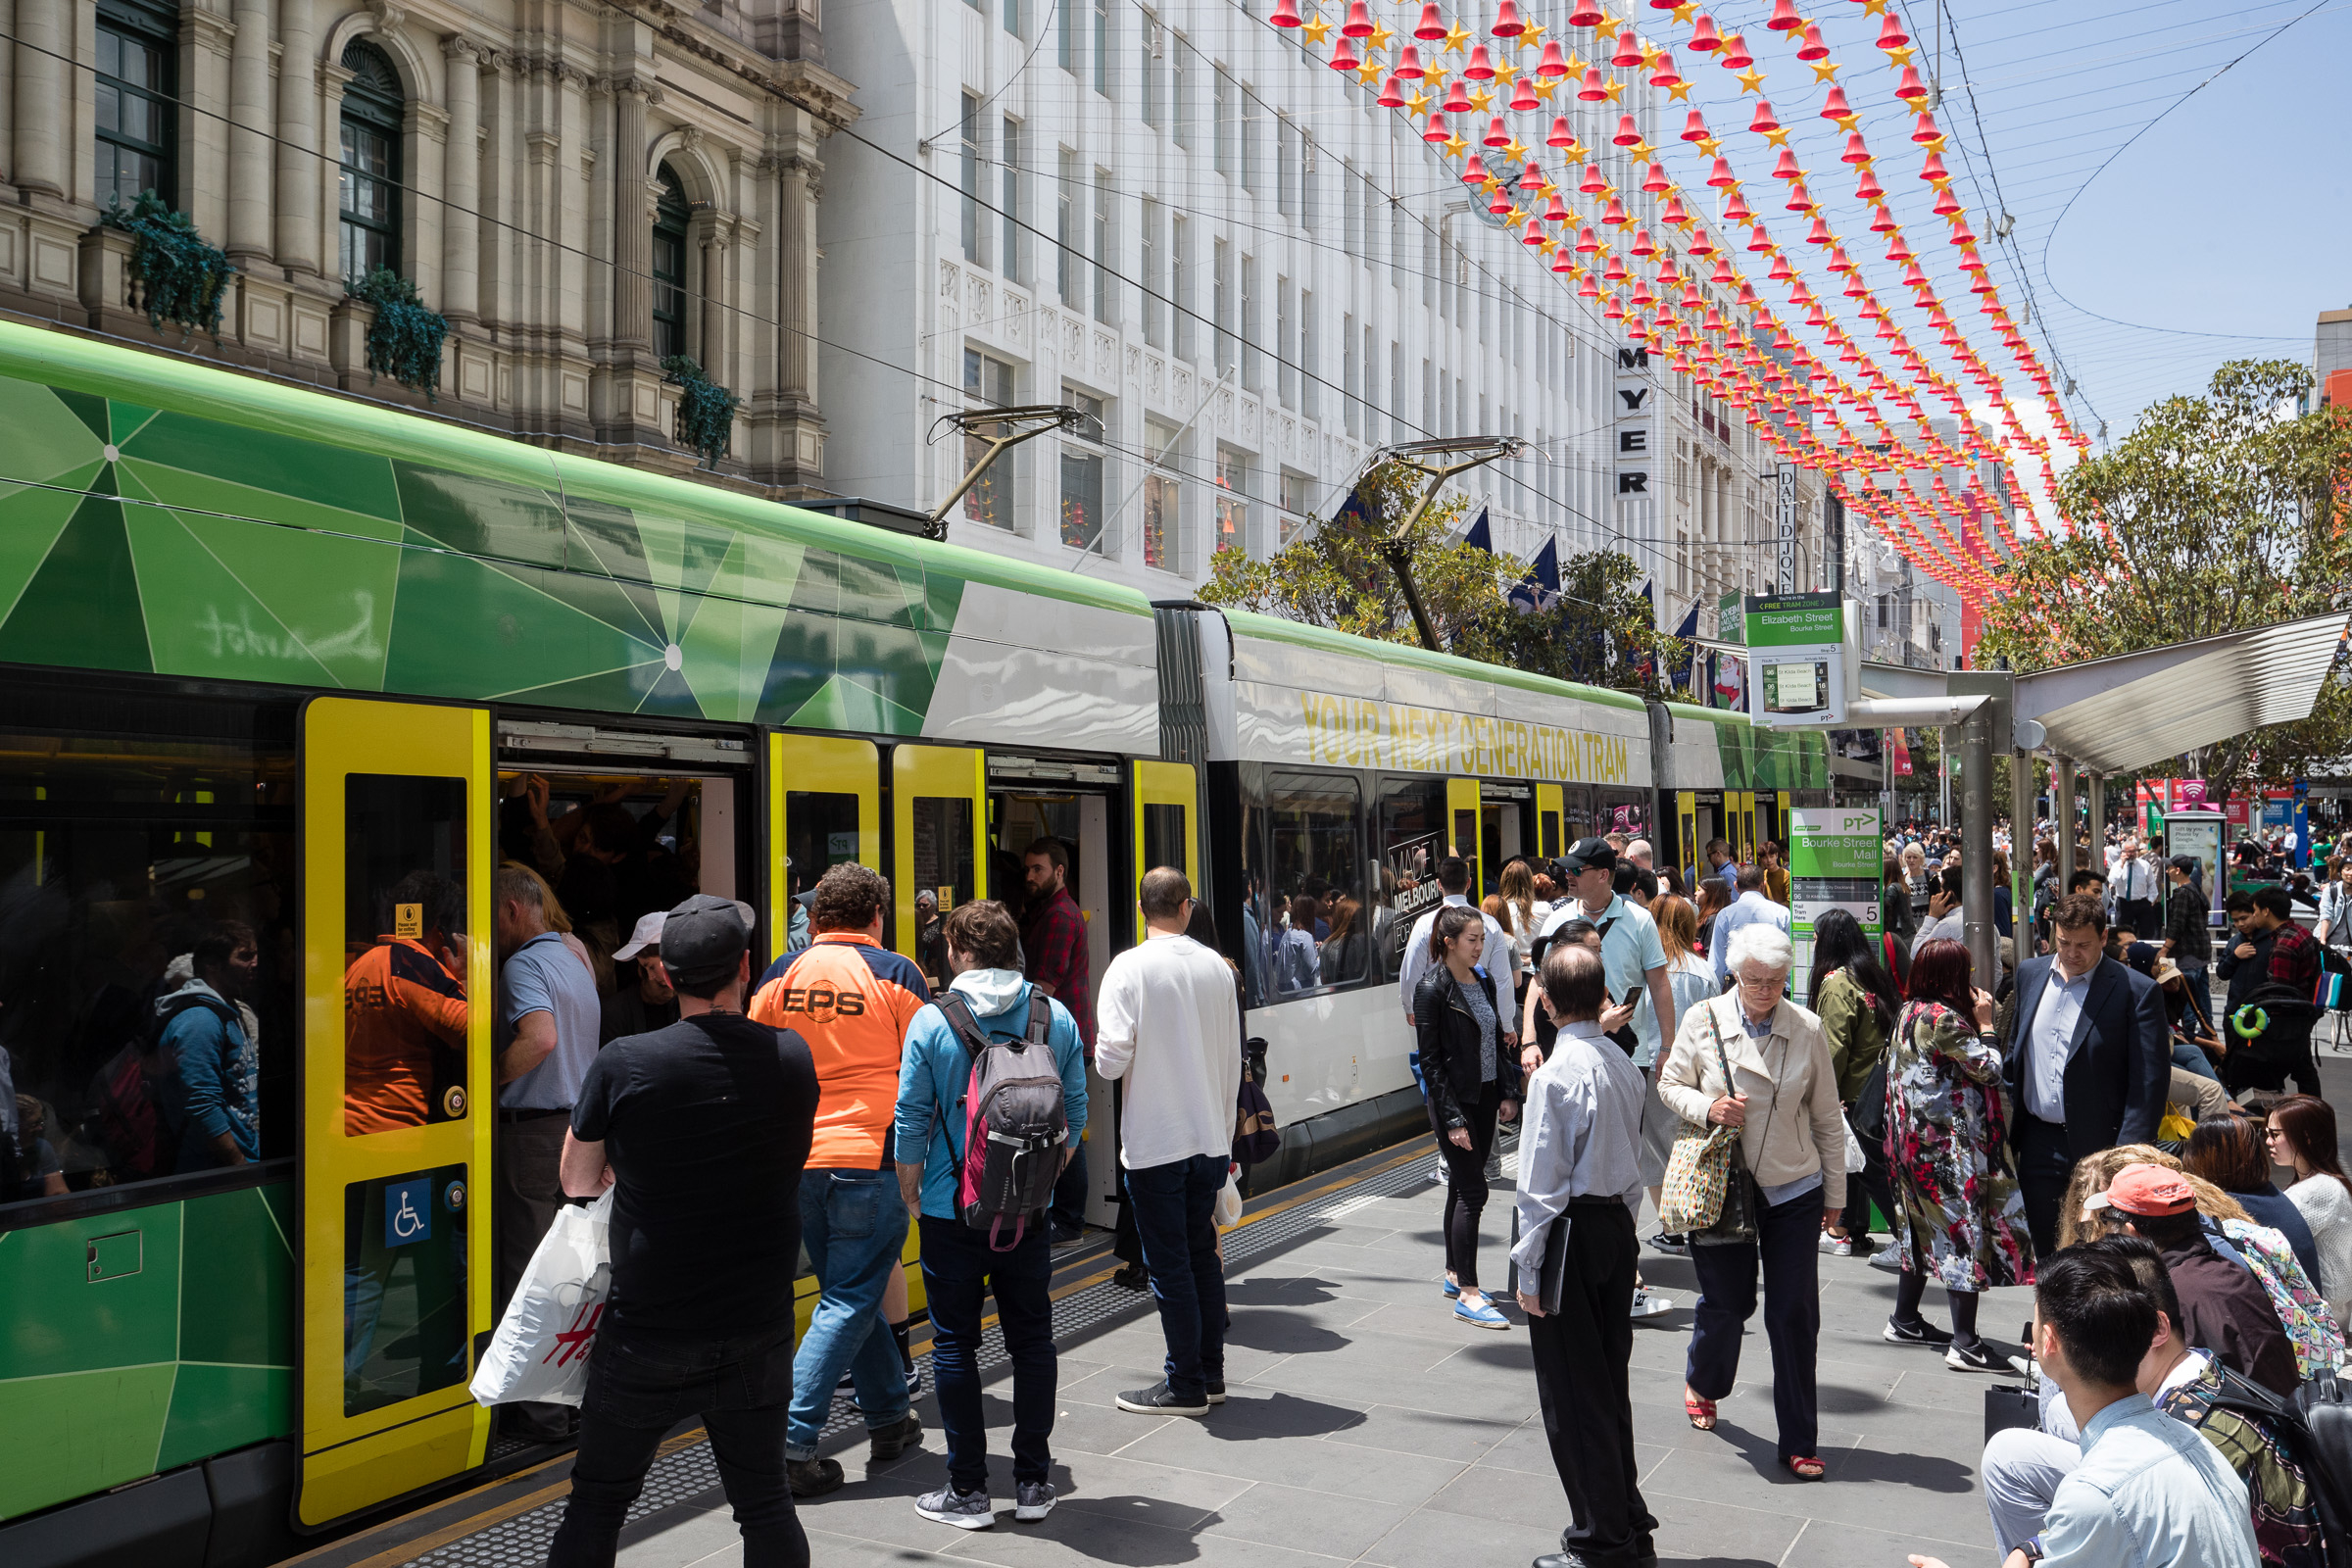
(1054, 946)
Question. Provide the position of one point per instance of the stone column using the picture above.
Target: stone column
(207, 86)
(461, 183)
(8, 89)
(803, 181)
(297, 232)
(499, 187)
(43, 28)
(426, 132)
(715, 234)
(633, 196)
(249, 171)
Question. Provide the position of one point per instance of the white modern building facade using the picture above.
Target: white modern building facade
(1246, 273)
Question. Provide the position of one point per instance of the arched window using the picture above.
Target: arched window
(371, 115)
(670, 218)
(138, 55)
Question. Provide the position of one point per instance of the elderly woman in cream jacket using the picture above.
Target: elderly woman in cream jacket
(1783, 1095)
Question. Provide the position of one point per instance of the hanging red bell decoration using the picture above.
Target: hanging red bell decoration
(1587, 242)
(1585, 13)
(1735, 211)
(1932, 169)
(1702, 245)
(1821, 234)
(1629, 52)
(1666, 75)
(1506, 20)
(1557, 211)
(1359, 21)
(1614, 272)
(1721, 177)
(1735, 53)
(1691, 299)
(1785, 167)
(1656, 182)
(1593, 184)
(1612, 312)
(1925, 132)
(1479, 68)
(1285, 15)
(1758, 241)
(1946, 204)
(1533, 235)
(1642, 249)
(1784, 17)
(1673, 213)
(1501, 201)
(1858, 151)
(1835, 106)
(1703, 36)
(1530, 178)
(1628, 134)
(1554, 64)
(1343, 56)
(1561, 135)
(1436, 129)
(1498, 134)
(1713, 322)
(1961, 235)
(1391, 91)
(1432, 24)
(1891, 35)
(1523, 94)
(1615, 216)
(1764, 122)
(1641, 297)
(1882, 222)
(1913, 277)
(1457, 101)
(1911, 90)
(1586, 288)
(1593, 89)
(1474, 173)
(1694, 129)
(1800, 200)
(1723, 277)
(1867, 187)
(1818, 317)
(1809, 45)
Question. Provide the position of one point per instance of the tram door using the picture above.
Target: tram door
(1548, 816)
(1166, 803)
(395, 1091)
(1463, 830)
(825, 804)
(939, 845)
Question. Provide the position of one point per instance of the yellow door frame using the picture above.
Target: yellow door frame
(354, 1462)
(1463, 795)
(831, 764)
(1168, 784)
(1685, 825)
(933, 773)
(1551, 801)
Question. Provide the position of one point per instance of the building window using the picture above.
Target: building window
(1232, 501)
(1154, 286)
(1082, 517)
(1296, 497)
(1308, 370)
(670, 215)
(1103, 47)
(370, 175)
(969, 145)
(1183, 294)
(1286, 369)
(1221, 127)
(1147, 65)
(1065, 230)
(1012, 16)
(1107, 299)
(1287, 162)
(1160, 495)
(138, 53)
(1180, 104)
(1011, 154)
(1221, 307)
(988, 384)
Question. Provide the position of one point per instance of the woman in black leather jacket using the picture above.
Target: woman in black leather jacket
(1470, 1079)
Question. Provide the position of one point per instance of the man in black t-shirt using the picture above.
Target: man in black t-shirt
(702, 1128)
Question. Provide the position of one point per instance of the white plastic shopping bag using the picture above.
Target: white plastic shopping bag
(1854, 1161)
(1227, 1212)
(540, 1351)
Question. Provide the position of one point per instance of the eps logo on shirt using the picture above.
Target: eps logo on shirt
(822, 1001)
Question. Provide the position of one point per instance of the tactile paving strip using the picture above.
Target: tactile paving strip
(689, 1472)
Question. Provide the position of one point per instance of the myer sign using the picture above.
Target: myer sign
(1796, 644)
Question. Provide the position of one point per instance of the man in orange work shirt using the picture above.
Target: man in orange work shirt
(403, 1011)
(851, 998)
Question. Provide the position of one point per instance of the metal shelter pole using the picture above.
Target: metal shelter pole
(1976, 845)
(2094, 813)
(2020, 854)
(2062, 810)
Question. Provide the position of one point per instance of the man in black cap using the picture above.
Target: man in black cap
(1630, 949)
(702, 1128)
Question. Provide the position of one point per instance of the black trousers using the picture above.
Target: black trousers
(1581, 1354)
(2044, 1165)
(638, 1388)
(1788, 1242)
(1466, 1184)
(1866, 1188)
(2139, 917)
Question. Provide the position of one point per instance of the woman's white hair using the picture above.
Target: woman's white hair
(1760, 943)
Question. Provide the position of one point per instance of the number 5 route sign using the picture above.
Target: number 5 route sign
(1837, 860)
(1796, 644)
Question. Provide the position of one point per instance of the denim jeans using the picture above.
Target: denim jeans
(959, 1270)
(641, 1387)
(852, 1226)
(1175, 1207)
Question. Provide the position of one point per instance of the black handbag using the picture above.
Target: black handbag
(1735, 1221)
(2010, 1405)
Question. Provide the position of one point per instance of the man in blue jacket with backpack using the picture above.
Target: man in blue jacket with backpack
(983, 1056)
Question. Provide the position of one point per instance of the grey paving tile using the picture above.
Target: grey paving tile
(1300, 1516)
(1825, 1544)
(1070, 1536)
(1724, 1535)
(1336, 1469)
(1427, 1537)
(1423, 1431)
(677, 1537)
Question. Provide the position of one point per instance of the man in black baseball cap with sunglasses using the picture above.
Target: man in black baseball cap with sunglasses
(702, 1128)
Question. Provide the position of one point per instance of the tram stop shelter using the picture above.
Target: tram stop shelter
(2101, 718)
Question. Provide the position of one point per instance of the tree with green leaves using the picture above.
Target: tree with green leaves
(1601, 630)
(2217, 513)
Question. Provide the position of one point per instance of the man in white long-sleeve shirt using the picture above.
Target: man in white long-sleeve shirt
(1454, 878)
(1168, 1023)
(1580, 1168)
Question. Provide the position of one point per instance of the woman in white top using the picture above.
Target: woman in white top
(1521, 918)
(2302, 1135)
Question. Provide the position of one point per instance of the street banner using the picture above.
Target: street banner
(1903, 753)
(1797, 644)
(1837, 860)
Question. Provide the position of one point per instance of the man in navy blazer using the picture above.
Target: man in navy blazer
(2087, 1062)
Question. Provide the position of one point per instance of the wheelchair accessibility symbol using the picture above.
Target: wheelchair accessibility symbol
(407, 1212)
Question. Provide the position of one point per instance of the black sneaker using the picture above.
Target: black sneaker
(1977, 1357)
(965, 1510)
(1132, 1277)
(885, 1444)
(814, 1478)
(1216, 1390)
(1922, 1332)
(1161, 1399)
(1064, 1239)
(1674, 1242)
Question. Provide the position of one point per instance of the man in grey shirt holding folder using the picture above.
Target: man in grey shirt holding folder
(1580, 1184)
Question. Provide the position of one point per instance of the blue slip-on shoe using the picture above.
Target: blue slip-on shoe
(1481, 1316)
(1451, 1290)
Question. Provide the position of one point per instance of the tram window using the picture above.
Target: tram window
(821, 832)
(1625, 811)
(404, 930)
(942, 861)
(1163, 836)
(1314, 921)
(404, 1291)
(1412, 841)
(1577, 818)
(1551, 846)
(146, 849)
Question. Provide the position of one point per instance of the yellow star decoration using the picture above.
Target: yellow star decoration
(1687, 223)
(1480, 98)
(1488, 185)
(1650, 58)
(1316, 29)
(1680, 92)
(1516, 151)
(1504, 73)
(1823, 71)
(1603, 196)
(1897, 59)
(1545, 87)
(1957, 217)
(1434, 78)
(1547, 191)
(1368, 74)
(1709, 146)
(1848, 122)
(1456, 37)
(1874, 7)
(1936, 146)
(1515, 216)
(1533, 35)
(1683, 11)
(1455, 145)
(1750, 80)
(1606, 27)
(1546, 245)
(1778, 137)
(1613, 93)
(1644, 151)
(1576, 64)
(1381, 33)
(1417, 102)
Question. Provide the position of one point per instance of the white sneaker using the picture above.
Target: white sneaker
(1836, 1245)
(1649, 1303)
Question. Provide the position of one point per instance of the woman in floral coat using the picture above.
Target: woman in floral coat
(1958, 1216)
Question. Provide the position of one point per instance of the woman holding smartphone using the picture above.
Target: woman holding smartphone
(1469, 1081)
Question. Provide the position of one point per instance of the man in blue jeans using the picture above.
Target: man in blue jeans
(701, 1130)
(851, 1000)
(1170, 1027)
(961, 1265)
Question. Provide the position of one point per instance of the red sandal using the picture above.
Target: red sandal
(1806, 1467)
(1700, 1411)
